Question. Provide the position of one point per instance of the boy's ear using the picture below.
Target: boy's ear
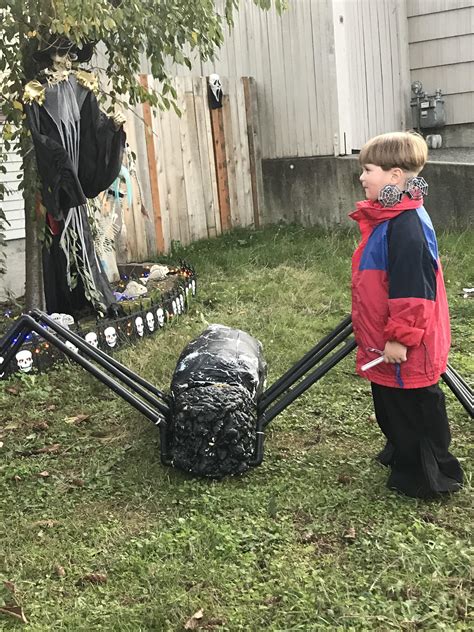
(398, 175)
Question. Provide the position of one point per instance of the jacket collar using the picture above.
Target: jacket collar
(370, 214)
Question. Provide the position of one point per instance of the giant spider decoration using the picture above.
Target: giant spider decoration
(213, 421)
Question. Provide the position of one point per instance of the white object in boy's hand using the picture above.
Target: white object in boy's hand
(372, 363)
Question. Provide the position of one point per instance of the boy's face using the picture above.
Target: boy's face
(373, 178)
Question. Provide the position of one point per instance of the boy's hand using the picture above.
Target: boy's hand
(394, 352)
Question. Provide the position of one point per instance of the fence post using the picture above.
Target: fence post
(218, 141)
(255, 152)
(150, 150)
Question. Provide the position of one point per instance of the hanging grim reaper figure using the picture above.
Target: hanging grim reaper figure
(79, 154)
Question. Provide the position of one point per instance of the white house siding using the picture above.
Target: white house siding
(372, 69)
(12, 283)
(329, 73)
(292, 60)
(12, 205)
(441, 48)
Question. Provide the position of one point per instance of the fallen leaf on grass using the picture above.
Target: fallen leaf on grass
(59, 570)
(78, 482)
(345, 479)
(213, 623)
(11, 426)
(94, 578)
(43, 474)
(46, 523)
(14, 611)
(194, 621)
(41, 426)
(350, 535)
(428, 517)
(100, 434)
(10, 586)
(47, 449)
(12, 390)
(51, 407)
(76, 420)
(272, 600)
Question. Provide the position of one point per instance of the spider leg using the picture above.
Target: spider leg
(141, 386)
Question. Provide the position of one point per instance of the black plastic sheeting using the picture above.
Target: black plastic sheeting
(215, 387)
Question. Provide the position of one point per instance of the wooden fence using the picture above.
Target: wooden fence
(197, 174)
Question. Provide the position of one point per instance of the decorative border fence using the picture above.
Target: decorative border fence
(37, 355)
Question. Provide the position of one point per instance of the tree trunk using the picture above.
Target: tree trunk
(34, 290)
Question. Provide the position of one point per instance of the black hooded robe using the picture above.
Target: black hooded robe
(79, 154)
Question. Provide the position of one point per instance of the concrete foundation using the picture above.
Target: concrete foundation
(12, 283)
(323, 190)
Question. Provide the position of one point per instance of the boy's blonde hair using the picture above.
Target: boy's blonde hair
(406, 150)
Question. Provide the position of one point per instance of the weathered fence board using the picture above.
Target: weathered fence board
(199, 171)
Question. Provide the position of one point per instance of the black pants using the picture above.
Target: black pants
(416, 426)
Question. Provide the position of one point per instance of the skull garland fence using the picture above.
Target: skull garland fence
(110, 337)
(160, 317)
(24, 360)
(139, 326)
(213, 422)
(150, 321)
(92, 338)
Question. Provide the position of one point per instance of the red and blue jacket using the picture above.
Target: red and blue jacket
(398, 294)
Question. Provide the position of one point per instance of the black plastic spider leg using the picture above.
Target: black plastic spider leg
(265, 418)
(260, 438)
(460, 384)
(315, 355)
(53, 339)
(141, 386)
(308, 381)
(460, 389)
(12, 340)
(321, 344)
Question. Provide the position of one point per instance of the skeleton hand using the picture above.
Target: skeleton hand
(118, 119)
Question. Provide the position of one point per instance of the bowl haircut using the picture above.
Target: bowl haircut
(406, 150)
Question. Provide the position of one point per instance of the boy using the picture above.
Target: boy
(400, 311)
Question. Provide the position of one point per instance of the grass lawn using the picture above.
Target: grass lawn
(97, 535)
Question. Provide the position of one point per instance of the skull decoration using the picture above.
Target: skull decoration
(110, 336)
(1, 362)
(178, 305)
(92, 339)
(174, 307)
(160, 316)
(182, 302)
(215, 91)
(139, 325)
(150, 321)
(24, 360)
(69, 345)
(65, 320)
